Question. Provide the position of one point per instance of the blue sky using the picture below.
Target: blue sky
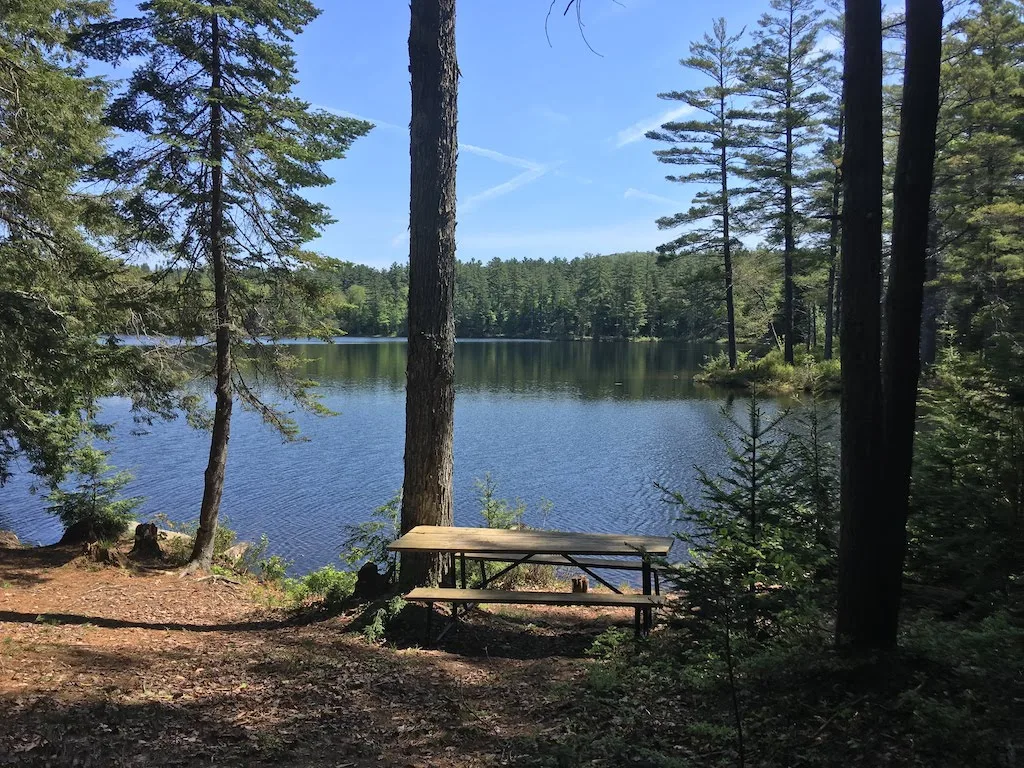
(552, 161)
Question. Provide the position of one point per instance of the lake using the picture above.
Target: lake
(591, 427)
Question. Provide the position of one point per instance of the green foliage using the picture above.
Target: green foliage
(270, 569)
(60, 291)
(331, 586)
(376, 629)
(941, 701)
(770, 373)
(966, 529)
(979, 198)
(755, 557)
(367, 542)
(812, 459)
(179, 548)
(271, 147)
(498, 513)
(503, 513)
(94, 499)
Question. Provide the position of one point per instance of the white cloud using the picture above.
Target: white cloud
(829, 44)
(650, 196)
(500, 157)
(532, 170)
(524, 178)
(377, 123)
(402, 238)
(639, 129)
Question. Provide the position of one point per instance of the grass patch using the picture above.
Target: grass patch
(771, 374)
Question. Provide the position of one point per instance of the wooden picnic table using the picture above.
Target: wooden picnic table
(518, 547)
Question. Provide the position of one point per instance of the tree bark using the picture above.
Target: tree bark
(858, 621)
(901, 363)
(430, 371)
(213, 488)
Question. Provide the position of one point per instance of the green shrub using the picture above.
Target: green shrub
(93, 501)
(966, 529)
(376, 629)
(367, 542)
(273, 569)
(329, 586)
(770, 373)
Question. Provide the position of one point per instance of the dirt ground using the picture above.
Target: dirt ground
(103, 666)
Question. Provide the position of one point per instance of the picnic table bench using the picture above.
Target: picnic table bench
(519, 547)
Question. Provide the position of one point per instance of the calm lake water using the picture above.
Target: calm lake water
(592, 427)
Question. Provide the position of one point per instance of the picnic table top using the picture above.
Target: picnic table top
(445, 538)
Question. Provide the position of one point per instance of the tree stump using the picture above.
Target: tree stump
(370, 584)
(580, 584)
(101, 554)
(147, 543)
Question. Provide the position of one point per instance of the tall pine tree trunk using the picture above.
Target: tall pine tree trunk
(730, 307)
(862, 520)
(833, 244)
(901, 364)
(213, 488)
(789, 239)
(789, 246)
(430, 371)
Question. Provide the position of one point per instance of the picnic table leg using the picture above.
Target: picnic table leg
(636, 622)
(648, 612)
(462, 567)
(430, 616)
(483, 574)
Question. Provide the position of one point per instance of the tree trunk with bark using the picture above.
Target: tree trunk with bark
(213, 488)
(901, 363)
(430, 370)
(862, 519)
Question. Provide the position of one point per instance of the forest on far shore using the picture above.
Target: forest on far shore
(623, 295)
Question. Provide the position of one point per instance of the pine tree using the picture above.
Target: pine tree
(880, 386)
(94, 508)
(979, 199)
(430, 395)
(784, 73)
(860, 326)
(220, 155)
(826, 180)
(741, 538)
(713, 145)
(59, 292)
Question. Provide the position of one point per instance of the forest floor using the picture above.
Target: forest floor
(107, 666)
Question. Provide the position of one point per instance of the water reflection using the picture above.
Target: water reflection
(589, 370)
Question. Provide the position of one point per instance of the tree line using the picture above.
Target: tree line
(623, 295)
